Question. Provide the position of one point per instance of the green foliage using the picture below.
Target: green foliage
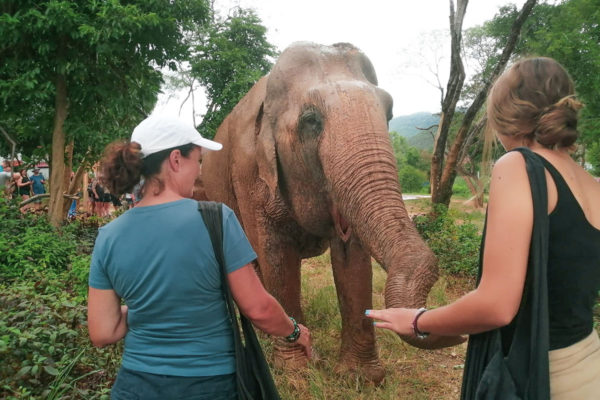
(44, 345)
(109, 54)
(413, 164)
(80, 272)
(29, 245)
(593, 156)
(230, 56)
(453, 239)
(566, 31)
(412, 180)
(460, 187)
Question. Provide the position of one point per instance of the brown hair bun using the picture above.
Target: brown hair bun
(122, 167)
(557, 126)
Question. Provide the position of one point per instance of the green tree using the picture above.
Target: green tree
(412, 164)
(567, 31)
(75, 75)
(446, 155)
(229, 57)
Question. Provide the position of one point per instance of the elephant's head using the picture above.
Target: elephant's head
(324, 149)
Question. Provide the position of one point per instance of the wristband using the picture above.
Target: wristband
(416, 331)
(295, 335)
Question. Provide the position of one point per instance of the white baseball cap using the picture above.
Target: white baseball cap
(161, 132)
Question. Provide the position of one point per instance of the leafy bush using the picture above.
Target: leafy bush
(455, 241)
(43, 329)
(80, 271)
(30, 247)
(460, 187)
(44, 345)
(411, 179)
(37, 248)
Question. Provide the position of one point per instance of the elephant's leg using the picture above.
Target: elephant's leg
(353, 276)
(279, 265)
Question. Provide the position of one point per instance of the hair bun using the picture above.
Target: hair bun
(122, 166)
(557, 124)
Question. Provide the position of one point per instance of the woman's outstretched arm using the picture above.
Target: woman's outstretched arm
(496, 300)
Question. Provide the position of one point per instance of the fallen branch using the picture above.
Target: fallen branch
(43, 195)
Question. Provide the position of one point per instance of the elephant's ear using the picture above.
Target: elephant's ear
(266, 154)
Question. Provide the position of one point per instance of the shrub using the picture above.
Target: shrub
(455, 241)
(460, 187)
(43, 329)
(79, 273)
(411, 179)
(31, 248)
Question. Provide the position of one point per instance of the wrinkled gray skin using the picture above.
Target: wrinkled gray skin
(308, 164)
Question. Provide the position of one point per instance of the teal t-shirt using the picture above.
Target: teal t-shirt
(38, 186)
(160, 260)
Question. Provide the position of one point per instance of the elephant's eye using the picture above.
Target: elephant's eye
(310, 123)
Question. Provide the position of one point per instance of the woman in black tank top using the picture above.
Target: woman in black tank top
(532, 105)
(24, 185)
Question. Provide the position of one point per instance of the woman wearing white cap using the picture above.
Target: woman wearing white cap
(158, 259)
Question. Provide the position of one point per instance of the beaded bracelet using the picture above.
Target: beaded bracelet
(295, 335)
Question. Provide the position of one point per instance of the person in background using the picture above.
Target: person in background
(38, 187)
(13, 187)
(178, 336)
(129, 198)
(101, 198)
(5, 177)
(533, 104)
(137, 192)
(23, 187)
(91, 196)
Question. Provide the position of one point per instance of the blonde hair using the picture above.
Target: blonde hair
(534, 100)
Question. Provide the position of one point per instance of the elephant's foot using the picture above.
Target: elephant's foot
(288, 355)
(370, 370)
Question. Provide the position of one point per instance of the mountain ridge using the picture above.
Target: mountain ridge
(407, 126)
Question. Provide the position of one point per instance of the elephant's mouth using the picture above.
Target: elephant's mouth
(342, 227)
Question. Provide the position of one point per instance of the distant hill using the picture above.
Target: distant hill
(406, 125)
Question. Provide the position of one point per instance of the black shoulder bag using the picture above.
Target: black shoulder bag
(512, 362)
(253, 376)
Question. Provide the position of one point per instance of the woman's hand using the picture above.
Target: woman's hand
(398, 320)
(304, 340)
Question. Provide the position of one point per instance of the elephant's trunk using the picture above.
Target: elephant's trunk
(366, 192)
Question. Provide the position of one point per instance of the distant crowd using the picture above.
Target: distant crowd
(16, 183)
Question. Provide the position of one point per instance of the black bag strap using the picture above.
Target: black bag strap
(212, 213)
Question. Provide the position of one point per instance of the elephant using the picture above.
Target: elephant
(307, 164)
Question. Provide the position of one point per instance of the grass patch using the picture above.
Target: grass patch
(410, 373)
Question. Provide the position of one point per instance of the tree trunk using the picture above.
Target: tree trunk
(56, 205)
(475, 188)
(446, 173)
(453, 90)
(85, 198)
(67, 174)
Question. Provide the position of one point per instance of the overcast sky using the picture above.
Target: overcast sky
(398, 36)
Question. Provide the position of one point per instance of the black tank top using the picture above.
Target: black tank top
(573, 268)
(24, 189)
